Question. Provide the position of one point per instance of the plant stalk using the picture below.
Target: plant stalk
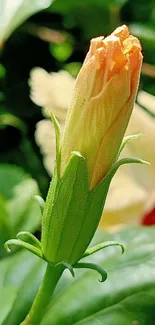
(43, 297)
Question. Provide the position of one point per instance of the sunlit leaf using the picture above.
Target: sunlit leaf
(73, 68)
(61, 51)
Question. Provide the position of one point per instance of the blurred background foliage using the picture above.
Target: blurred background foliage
(55, 37)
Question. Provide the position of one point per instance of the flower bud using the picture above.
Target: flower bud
(102, 102)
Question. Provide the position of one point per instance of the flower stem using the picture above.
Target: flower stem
(43, 297)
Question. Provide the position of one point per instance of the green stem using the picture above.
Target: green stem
(51, 278)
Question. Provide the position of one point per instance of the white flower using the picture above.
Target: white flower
(147, 100)
(125, 202)
(53, 91)
(143, 122)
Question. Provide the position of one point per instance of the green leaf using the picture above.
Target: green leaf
(7, 298)
(4, 218)
(61, 6)
(61, 51)
(7, 119)
(15, 12)
(24, 211)
(18, 208)
(10, 176)
(126, 296)
(73, 68)
(4, 225)
(2, 71)
(24, 271)
(139, 309)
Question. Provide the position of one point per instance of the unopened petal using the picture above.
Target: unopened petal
(102, 102)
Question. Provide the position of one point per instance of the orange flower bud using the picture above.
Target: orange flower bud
(102, 102)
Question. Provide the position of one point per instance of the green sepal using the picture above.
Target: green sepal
(58, 138)
(72, 212)
(67, 266)
(92, 266)
(125, 141)
(94, 207)
(27, 237)
(41, 202)
(64, 211)
(20, 243)
(100, 246)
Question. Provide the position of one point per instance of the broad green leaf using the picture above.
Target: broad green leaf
(19, 210)
(10, 176)
(4, 218)
(7, 298)
(14, 12)
(137, 309)
(26, 294)
(24, 211)
(15, 268)
(23, 271)
(4, 225)
(128, 295)
(130, 274)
